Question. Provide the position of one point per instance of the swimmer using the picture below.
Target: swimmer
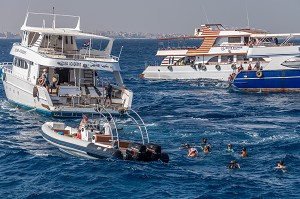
(192, 152)
(234, 165)
(206, 149)
(229, 148)
(186, 146)
(280, 165)
(244, 153)
(204, 142)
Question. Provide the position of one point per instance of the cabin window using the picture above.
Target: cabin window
(246, 40)
(234, 39)
(66, 38)
(240, 57)
(71, 40)
(20, 63)
(213, 59)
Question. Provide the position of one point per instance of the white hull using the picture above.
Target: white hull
(188, 72)
(20, 92)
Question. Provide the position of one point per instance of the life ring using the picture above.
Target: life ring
(35, 92)
(199, 66)
(259, 73)
(170, 68)
(204, 68)
(218, 67)
(193, 66)
(233, 66)
(4, 77)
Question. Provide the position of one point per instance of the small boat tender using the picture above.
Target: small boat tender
(93, 144)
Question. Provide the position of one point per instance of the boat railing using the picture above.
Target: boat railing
(73, 54)
(141, 125)
(179, 48)
(114, 136)
(6, 64)
(10, 71)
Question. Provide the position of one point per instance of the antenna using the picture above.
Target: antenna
(53, 25)
(248, 21)
(205, 14)
(120, 52)
(28, 7)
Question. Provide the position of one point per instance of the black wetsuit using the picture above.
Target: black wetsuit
(108, 91)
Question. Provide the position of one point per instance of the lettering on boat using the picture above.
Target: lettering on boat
(231, 48)
(99, 65)
(20, 51)
(65, 63)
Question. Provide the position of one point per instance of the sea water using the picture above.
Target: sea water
(176, 112)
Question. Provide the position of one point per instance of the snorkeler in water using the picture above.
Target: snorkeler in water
(204, 143)
(229, 148)
(192, 152)
(280, 165)
(244, 153)
(234, 165)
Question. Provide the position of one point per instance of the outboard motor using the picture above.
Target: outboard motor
(153, 152)
(136, 151)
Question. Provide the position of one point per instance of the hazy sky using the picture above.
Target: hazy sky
(160, 16)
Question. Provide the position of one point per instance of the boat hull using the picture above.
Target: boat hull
(268, 80)
(79, 147)
(20, 92)
(188, 72)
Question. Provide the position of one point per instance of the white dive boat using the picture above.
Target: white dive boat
(83, 71)
(220, 53)
(90, 142)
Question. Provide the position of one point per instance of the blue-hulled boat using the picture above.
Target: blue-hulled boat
(282, 73)
(268, 80)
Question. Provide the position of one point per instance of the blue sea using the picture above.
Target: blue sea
(176, 112)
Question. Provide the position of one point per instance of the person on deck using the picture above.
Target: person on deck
(55, 80)
(44, 79)
(108, 89)
(107, 127)
(83, 122)
(249, 67)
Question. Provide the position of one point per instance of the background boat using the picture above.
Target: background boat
(176, 112)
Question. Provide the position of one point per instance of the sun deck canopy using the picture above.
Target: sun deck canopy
(64, 32)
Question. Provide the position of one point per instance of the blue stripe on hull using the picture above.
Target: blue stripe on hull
(48, 113)
(271, 80)
(58, 114)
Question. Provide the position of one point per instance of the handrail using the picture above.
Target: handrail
(143, 125)
(112, 119)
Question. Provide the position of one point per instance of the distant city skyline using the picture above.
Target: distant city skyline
(165, 16)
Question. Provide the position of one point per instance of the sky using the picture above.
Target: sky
(160, 16)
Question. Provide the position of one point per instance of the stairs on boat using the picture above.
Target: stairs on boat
(206, 45)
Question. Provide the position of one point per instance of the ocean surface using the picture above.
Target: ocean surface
(176, 112)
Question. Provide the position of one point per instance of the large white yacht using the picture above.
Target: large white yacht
(220, 53)
(83, 62)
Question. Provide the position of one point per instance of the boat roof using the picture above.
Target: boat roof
(276, 35)
(53, 30)
(63, 32)
(218, 30)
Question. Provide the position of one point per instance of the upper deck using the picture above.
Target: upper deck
(52, 40)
